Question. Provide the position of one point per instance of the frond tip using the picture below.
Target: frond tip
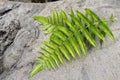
(70, 36)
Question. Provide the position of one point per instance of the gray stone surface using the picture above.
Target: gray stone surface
(20, 37)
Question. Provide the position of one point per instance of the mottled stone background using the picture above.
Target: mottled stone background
(20, 37)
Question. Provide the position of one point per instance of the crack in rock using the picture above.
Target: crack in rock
(5, 12)
(6, 8)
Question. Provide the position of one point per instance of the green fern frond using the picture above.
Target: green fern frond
(70, 37)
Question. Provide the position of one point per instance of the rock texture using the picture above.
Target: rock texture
(7, 35)
(20, 37)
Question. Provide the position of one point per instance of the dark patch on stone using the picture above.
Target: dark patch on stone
(2, 33)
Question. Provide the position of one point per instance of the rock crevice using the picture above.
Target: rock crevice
(7, 36)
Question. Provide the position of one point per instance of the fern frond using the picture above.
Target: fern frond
(69, 35)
